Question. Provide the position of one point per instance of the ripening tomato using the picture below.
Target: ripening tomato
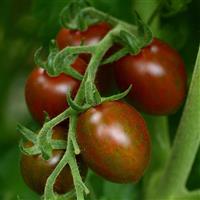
(158, 77)
(114, 141)
(48, 94)
(35, 170)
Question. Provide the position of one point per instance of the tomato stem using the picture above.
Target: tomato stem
(186, 143)
(72, 147)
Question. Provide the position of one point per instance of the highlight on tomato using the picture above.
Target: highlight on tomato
(114, 141)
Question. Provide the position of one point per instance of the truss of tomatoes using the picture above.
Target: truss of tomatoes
(112, 136)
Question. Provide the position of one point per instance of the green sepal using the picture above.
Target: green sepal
(57, 62)
(27, 133)
(92, 95)
(117, 96)
(74, 105)
(46, 152)
(96, 94)
(129, 40)
(116, 56)
(144, 33)
(45, 145)
(34, 150)
(47, 64)
(38, 58)
(71, 71)
(53, 51)
(63, 64)
(46, 117)
(58, 144)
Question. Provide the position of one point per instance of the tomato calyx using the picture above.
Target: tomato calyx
(35, 170)
(54, 144)
(54, 68)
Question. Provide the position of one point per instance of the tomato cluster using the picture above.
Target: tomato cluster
(112, 136)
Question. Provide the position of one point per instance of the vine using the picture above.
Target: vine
(87, 95)
(133, 38)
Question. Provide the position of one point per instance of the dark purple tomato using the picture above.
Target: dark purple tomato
(48, 94)
(158, 77)
(94, 34)
(114, 141)
(35, 170)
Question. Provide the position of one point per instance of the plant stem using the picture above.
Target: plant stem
(76, 50)
(158, 127)
(186, 142)
(69, 156)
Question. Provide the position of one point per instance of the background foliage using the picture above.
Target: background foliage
(26, 25)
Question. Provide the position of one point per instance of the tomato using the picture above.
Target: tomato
(48, 94)
(158, 77)
(91, 36)
(94, 34)
(114, 141)
(35, 170)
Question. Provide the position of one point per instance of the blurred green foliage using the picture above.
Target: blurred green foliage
(26, 25)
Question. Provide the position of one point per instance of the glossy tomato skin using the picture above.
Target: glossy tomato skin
(35, 170)
(48, 94)
(158, 77)
(114, 141)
